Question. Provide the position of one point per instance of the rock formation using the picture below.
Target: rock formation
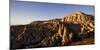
(56, 32)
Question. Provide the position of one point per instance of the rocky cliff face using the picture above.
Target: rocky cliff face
(75, 27)
(56, 32)
(86, 21)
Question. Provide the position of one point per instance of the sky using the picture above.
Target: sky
(26, 12)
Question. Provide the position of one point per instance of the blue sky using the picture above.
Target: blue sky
(26, 12)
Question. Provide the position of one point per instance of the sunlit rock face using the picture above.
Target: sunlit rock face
(77, 17)
(72, 29)
(86, 21)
